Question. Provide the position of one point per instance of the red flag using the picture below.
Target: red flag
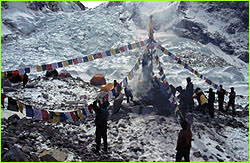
(15, 72)
(45, 115)
(90, 108)
(122, 49)
(74, 117)
(99, 55)
(49, 67)
(75, 61)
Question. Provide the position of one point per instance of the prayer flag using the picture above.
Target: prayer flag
(60, 64)
(49, 67)
(68, 117)
(75, 61)
(65, 63)
(80, 115)
(176, 58)
(130, 47)
(45, 115)
(21, 106)
(3, 74)
(112, 51)
(56, 117)
(85, 59)
(117, 51)
(129, 76)
(44, 67)
(104, 54)
(37, 114)
(182, 63)
(176, 109)
(79, 60)
(29, 111)
(70, 62)
(27, 70)
(39, 68)
(179, 61)
(163, 77)
(21, 72)
(74, 116)
(166, 51)
(99, 55)
(86, 111)
(186, 66)
(54, 66)
(94, 56)
(122, 49)
(108, 53)
(134, 45)
(90, 57)
(62, 117)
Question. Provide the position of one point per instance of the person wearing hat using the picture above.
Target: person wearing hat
(231, 101)
(202, 100)
(190, 91)
(221, 93)
(184, 142)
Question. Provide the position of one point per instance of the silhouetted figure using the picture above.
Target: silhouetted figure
(25, 79)
(184, 101)
(128, 93)
(211, 99)
(117, 88)
(101, 124)
(221, 93)
(190, 91)
(184, 142)
(231, 101)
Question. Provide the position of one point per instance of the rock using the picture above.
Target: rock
(53, 155)
(15, 155)
(220, 160)
(14, 117)
(46, 96)
(30, 85)
(34, 157)
(219, 148)
(205, 157)
(197, 154)
(27, 149)
(51, 73)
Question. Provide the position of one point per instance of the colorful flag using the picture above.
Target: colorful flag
(86, 111)
(122, 49)
(104, 54)
(63, 118)
(65, 63)
(21, 106)
(75, 61)
(85, 59)
(134, 45)
(45, 115)
(44, 67)
(108, 53)
(117, 51)
(176, 109)
(79, 60)
(3, 74)
(29, 111)
(70, 62)
(37, 114)
(74, 116)
(166, 51)
(49, 67)
(68, 117)
(56, 117)
(27, 70)
(99, 55)
(54, 66)
(60, 64)
(39, 68)
(79, 114)
(130, 47)
(94, 56)
(163, 77)
(179, 61)
(112, 51)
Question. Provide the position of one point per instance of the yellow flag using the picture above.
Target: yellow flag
(134, 45)
(21, 106)
(166, 51)
(213, 84)
(182, 63)
(80, 115)
(176, 109)
(169, 90)
(112, 51)
(129, 76)
(90, 57)
(65, 63)
(39, 68)
(56, 118)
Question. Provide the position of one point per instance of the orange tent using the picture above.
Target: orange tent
(107, 87)
(97, 80)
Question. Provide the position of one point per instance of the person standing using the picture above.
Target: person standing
(128, 93)
(117, 88)
(101, 124)
(184, 101)
(221, 93)
(190, 91)
(184, 142)
(211, 99)
(202, 99)
(231, 101)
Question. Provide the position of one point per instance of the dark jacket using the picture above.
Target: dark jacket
(211, 97)
(232, 96)
(190, 88)
(184, 98)
(184, 139)
(221, 93)
(101, 115)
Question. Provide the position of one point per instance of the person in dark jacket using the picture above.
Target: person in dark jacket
(201, 98)
(211, 99)
(190, 91)
(101, 124)
(184, 101)
(25, 79)
(117, 88)
(128, 93)
(221, 93)
(231, 101)
(184, 142)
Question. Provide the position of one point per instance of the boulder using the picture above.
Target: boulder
(51, 73)
(65, 75)
(15, 155)
(53, 155)
(98, 80)
(117, 104)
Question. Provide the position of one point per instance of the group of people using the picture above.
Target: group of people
(186, 103)
(205, 104)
